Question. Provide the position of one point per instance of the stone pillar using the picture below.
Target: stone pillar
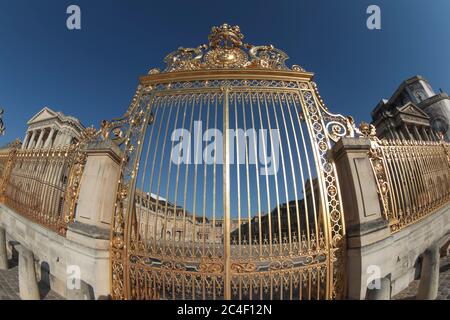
(3, 252)
(416, 131)
(39, 142)
(68, 140)
(25, 140)
(402, 136)
(391, 133)
(57, 138)
(410, 136)
(91, 227)
(28, 286)
(381, 293)
(48, 142)
(433, 135)
(33, 137)
(395, 134)
(425, 134)
(99, 184)
(365, 226)
(429, 276)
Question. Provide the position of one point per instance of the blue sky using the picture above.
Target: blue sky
(92, 74)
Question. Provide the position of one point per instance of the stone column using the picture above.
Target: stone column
(57, 134)
(3, 252)
(39, 142)
(25, 140)
(416, 131)
(433, 135)
(48, 142)
(410, 136)
(59, 141)
(28, 286)
(33, 137)
(425, 134)
(369, 242)
(402, 136)
(429, 276)
(68, 140)
(391, 133)
(55, 138)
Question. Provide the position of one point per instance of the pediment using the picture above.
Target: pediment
(412, 110)
(44, 114)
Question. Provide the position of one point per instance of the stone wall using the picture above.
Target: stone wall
(55, 256)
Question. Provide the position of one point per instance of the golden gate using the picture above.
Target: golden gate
(228, 229)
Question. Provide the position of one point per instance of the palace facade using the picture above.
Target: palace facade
(49, 129)
(413, 112)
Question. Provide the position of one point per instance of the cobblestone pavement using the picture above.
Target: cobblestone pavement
(9, 285)
(444, 284)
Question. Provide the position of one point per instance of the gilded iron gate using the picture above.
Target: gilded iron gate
(227, 190)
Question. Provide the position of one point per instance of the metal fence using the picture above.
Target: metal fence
(42, 184)
(413, 179)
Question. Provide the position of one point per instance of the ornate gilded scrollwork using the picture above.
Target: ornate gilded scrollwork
(225, 36)
(184, 59)
(268, 57)
(378, 166)
(243, 267)
(74, 183)
(211, 266)
(226, 50)
(281, 265)
(336, 125)
(13, 149)
(377, 161)
(173, 265)
(225, 58)
(367, 130)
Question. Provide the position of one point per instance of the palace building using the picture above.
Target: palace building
(49, 129)
(413, 112)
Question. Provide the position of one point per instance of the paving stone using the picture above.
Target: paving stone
(9, 285)
(444, 284)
